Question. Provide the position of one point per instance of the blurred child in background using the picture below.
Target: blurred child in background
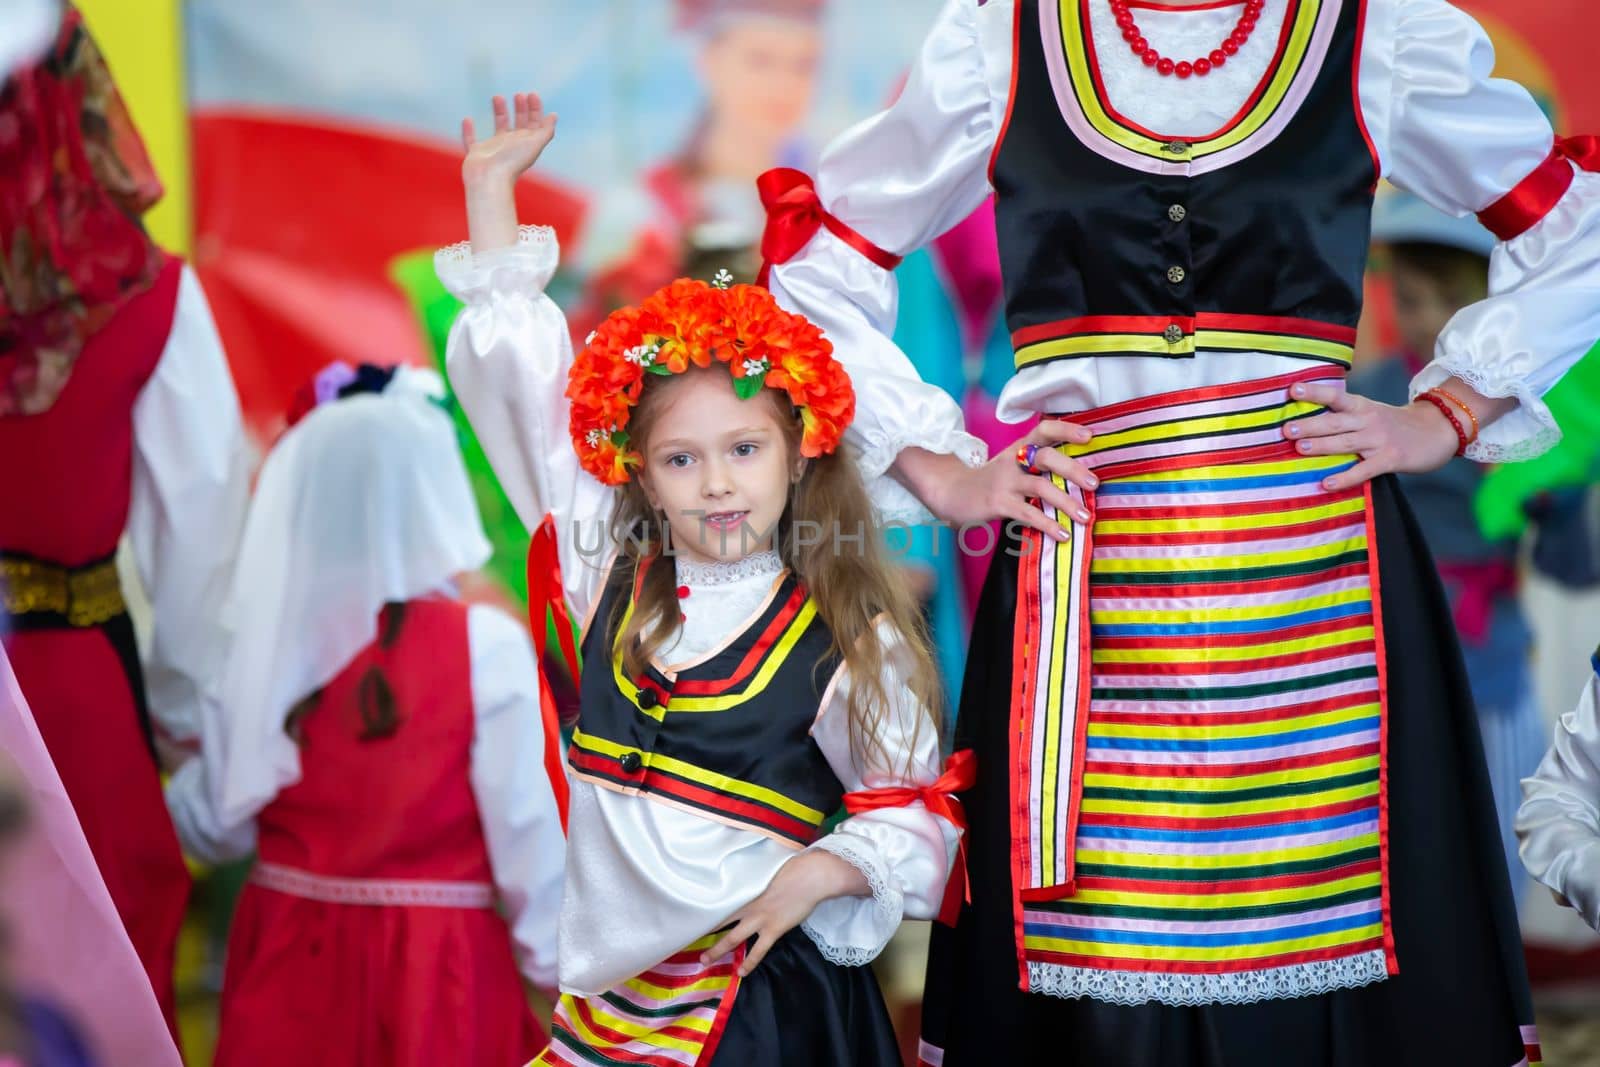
(1437, 265)
(383, 742)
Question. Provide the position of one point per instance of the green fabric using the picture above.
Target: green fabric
(1502, 498)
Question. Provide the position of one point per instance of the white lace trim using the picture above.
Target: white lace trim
(757, 564)
(1188, 990)
(536, 252)
(887, 902)
(1524, 433)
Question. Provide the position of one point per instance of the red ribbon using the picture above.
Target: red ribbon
(960, 772)
(1536, 195)
(795, 214)
(546, 599)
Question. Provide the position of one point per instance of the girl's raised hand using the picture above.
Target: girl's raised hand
(520, 135)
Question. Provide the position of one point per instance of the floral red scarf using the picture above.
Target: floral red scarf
(74, 181)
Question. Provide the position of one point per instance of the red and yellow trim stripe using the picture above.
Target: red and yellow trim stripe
(1147, 335)
(600, 761)
(749, 678)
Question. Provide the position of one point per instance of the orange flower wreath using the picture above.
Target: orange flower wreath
(691, 323)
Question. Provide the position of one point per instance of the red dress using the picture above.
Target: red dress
(65, 489)
(368, 933)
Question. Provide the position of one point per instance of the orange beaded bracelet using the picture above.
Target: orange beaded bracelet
(1463, 405)
(1444, 409)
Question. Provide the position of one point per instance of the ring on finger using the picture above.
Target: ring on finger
(1026, 455)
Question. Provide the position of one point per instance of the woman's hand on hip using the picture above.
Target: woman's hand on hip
(1388, 439)
(1002, 489)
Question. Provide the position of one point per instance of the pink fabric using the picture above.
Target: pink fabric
(969, 255)
(71, 947)
(1001, 437)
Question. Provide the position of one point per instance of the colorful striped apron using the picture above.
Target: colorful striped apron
(1199, 708)
(672, 1015)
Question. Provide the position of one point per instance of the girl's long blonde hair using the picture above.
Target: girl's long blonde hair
(855, 588)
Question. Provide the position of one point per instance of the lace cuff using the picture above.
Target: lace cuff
(526, 266)
(1527, 431)
(851, 931)
(892, 501)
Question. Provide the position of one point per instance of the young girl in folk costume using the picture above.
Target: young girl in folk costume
(373, 737)
(117, 415)
(749, 660)
(1232, 806)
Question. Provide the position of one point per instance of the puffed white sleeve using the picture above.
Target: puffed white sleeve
(904, 851)
(899, 180)
(1559, 821)
(1462, 140)
(507, 357)
(521, 825)
(191, 474)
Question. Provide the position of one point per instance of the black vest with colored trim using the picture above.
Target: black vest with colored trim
(729, 734)
(1264, 253)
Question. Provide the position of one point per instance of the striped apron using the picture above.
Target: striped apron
(672, 1015)
(1198, 745)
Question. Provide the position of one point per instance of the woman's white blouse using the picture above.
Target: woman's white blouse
(644, 878)
(1441, 126)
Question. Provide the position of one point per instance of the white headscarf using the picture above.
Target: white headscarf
(364, 502)
(26, 29)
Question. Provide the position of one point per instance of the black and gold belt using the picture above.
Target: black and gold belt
(36, 592)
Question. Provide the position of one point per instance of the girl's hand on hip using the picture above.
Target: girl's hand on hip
(794, 892)
(1388, 439)
(1002, 489)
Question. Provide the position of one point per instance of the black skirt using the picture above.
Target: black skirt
(1460, 998)
(796, 1009)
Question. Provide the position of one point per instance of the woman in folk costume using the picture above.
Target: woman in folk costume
(750, 662)
(380, 743)
(117, 414)
(1232, 806)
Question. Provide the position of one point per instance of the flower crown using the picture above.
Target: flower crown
(691, 323)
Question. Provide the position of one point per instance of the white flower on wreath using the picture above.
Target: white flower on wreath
(754, 368)
(722, 279)
(593, 437)
(643, 355)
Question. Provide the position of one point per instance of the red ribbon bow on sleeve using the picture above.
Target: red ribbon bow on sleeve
(960, 772)
(795, 214)
(1536, 195)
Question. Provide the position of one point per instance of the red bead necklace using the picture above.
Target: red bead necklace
(1200, 67)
